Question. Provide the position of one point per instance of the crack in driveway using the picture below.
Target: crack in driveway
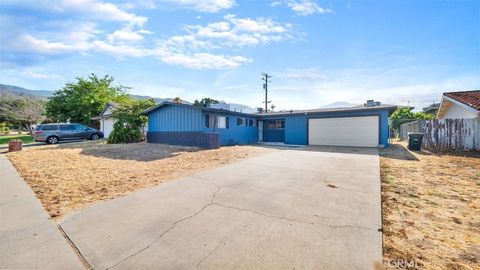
(291, 219)
(160, 236)
(208, 255)
(212, 203)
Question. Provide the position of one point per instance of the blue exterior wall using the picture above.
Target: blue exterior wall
(175, 118)
(384, 128)
(296, 130)
(234, 134)
(272, 135)
(185, 118)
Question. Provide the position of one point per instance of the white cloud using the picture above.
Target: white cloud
(127, 34)
(307, 7)
(306, 74)
(240, 32)
(38, 73)
(211, 6)
(204, 60)
(194, 49)
(30, 43)
(93, 9)
(71, 38)
(275, 4)
(99, 10)
(120, 51)
(200, 47)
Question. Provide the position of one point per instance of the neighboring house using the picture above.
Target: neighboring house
(460, 105)
(106, 119)
(182, 124)
(457, 126)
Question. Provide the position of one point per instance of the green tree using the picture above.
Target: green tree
(130, 121)
(405, 115)
(205, 102)
(84, 99)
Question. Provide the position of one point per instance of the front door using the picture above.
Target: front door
(260, 131)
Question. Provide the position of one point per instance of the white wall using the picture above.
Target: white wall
(106, 126)
(456, 111)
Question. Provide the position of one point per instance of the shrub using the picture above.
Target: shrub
(4, 129)
(129, 121)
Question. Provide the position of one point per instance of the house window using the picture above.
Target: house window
(252, 122)
(276, 124)
(241, 122)
(215, 121)
(222, 122)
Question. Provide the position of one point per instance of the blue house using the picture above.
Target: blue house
(183, 124)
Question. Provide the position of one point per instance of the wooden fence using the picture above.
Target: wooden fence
(446, 134)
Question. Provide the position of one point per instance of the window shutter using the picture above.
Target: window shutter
(207, 120)
(227, 122)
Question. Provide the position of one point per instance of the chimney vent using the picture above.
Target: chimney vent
(372, 103)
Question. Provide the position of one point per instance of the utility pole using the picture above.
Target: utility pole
(266, 79)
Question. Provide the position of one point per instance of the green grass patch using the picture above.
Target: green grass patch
(26, 138)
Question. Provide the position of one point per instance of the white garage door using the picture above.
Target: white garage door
(344, 131)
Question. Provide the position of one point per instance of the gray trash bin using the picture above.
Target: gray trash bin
(415, 141)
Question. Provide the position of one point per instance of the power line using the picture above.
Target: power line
(266, 79)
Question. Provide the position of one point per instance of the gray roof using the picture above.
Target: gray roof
(220, 111)
(389, 108)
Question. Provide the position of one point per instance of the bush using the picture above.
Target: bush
(125, 131)
(4, 129)
(129, 121)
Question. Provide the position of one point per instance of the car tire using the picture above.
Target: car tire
(52, 140)
(94, 137)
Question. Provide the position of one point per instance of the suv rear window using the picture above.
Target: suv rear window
(50, 127)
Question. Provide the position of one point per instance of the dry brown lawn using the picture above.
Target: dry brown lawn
(431, 207)
(69, 176)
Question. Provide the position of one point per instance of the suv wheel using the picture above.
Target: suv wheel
(95, 137)
(52, 140)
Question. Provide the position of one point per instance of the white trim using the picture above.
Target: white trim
(454, 101)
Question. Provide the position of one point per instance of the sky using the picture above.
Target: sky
(403, 52)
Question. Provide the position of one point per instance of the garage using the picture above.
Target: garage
(344, 131)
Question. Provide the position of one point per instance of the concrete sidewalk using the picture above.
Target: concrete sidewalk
(28, 238)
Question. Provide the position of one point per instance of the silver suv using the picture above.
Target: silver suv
(53, 133)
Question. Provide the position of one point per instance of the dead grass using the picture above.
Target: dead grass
(69, 176)
(431, 207)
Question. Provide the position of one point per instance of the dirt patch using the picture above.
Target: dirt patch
(67, 177)
(431, 208)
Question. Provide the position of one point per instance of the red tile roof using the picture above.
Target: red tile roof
(470, 98)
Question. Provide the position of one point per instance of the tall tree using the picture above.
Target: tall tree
(204, 102)
(405, 115)
(177, 100)
(22, 111)
(84, 99)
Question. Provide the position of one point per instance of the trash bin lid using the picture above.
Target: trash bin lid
(415, 135)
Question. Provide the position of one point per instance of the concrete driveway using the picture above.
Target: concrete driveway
(305, 208)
